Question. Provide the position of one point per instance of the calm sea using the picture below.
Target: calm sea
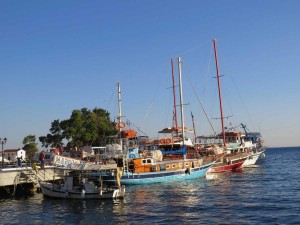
(268, 193)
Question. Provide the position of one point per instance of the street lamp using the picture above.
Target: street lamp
(3, 142)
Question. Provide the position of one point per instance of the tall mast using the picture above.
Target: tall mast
(194, 127)
(181, 100)
(174, 97)
(219, 88)
(120, 112)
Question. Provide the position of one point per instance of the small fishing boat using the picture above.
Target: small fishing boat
(80, 183)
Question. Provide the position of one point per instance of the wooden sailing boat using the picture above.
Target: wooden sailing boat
(149, 167)
(228, 161)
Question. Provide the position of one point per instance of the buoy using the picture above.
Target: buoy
(120, 125)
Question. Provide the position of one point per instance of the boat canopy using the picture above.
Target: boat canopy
(170, 130)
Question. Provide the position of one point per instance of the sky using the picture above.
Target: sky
(57, 56)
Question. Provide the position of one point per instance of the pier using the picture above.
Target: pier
(24, 178)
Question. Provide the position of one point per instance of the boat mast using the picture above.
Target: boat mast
(194, 127)
(120, 113)
(174, 98)
(219, 88)
(181, 100)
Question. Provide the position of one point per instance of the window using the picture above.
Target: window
(173, 165)
(149, 161)
(168, 166)
(144, 161)
(187, 164)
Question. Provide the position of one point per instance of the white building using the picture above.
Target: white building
(12, 155)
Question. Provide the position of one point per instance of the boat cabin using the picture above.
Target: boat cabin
(146, 165)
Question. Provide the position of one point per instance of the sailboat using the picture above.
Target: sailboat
(149, 167)
(227, 160)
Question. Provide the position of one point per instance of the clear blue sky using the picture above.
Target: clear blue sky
(57, 56)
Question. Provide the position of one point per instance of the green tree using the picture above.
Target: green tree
(83, 128)
(105, 125)
(55, 138)
(30, 146)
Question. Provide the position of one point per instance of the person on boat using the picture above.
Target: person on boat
(42, 159)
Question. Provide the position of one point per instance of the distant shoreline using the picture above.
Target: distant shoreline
(282, 147)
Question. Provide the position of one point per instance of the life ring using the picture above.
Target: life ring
(162, 141)
(120, 125)
(168, 141)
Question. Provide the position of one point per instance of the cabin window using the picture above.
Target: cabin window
(173, 165)
(168, 166)
(149, 161)
(144, 161)
(187, 164)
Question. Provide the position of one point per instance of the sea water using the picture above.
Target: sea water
(267, 193)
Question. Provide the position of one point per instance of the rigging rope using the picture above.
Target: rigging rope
(243, 102)
(129, 123)
(192, 49)
(202, 107)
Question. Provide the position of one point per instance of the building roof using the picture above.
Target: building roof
(13, 150)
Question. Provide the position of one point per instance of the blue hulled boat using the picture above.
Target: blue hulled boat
(146, 170)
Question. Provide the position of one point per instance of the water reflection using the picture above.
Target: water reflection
(265, 194)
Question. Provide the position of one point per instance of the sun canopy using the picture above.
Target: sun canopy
(169, 130)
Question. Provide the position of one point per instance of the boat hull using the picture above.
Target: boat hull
(48, 191)
(225, 168)
(252, 159)
(161, 176)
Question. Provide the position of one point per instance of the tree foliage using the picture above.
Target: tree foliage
(54, 139)
(83, 128)
(30, 146)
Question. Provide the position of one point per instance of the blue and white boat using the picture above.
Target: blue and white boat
(148, 170)
(147, 165)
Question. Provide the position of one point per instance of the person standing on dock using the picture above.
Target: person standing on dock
(19, 161)
(42, 159)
